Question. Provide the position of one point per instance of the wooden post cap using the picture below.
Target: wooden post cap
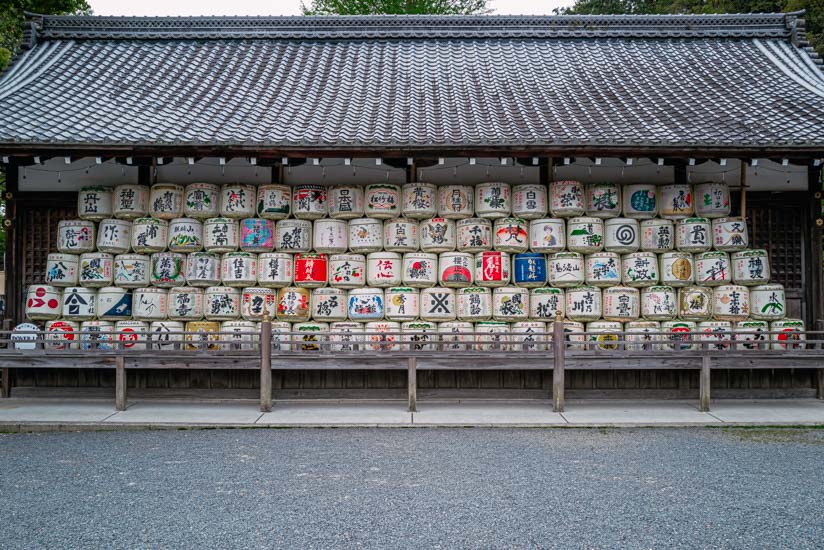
(559, 316)
(266, 317)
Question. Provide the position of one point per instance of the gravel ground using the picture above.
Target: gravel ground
(414, 488)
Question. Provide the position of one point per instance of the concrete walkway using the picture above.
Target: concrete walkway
(69, 415)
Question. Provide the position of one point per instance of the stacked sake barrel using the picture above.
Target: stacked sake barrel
(382, 263)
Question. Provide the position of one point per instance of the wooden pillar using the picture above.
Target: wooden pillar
(411, 173)
(815, 251)
(266, 364)
(412, 384)
(704, 384)
(545, 171)
(558, 348)
(5, 382)
(120, 385)
(820, 389)
(744, 165)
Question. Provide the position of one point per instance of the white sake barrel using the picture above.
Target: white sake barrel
(293, 236)
(419, 335)
(96, 269)
(203, 269)
(201, 201)
(185, 303)
(346, 270)
(622, 235)
(566, 269)
(221, 235)
(309, 202)
(639, 269)
(547, 235)
(311, 270)
(400, 235)
(293, 304)
(529, 336)
(114, 236)
(274, 202)
(438, 235)
(238, 201)
(166, 201)
(204, 335)
(168, 269)
(329, 304)
(419, 200)
(383, 336)
(114, 304)
(585, 235)
(62, 334)
(150, 304)
(751, 335)
(603, 269)
(221, 303)
(642, 335)
(566, 199)
(493, 200)
(62, 269)
(768, 302)
(510, 235)
(402, 303)
(456, 201)
(346, 336)
(365, 235)
(474, 235)
(238, 335)
(693, 235)
(438, 304)
(492, 336)
(676, 268)
(712, 268)
(529, 270)
(790, 334)
(166, 335)
(717, 334)
(730, 303)
(492, 268)
(130, 201)
(603, 335)
(730, 234)
(573, 334)
(603, 200)
(659, 303)
(346, 202)
(751, 267)
(185, 235)
(695, 303)
(640, 201)
(97, 335)
(95, 203)
(455, 269)
(276, 269)
(545, 302)
(256, 301)
(281, 341)
(474, 304)
(149, 235)
(75, 236)
(510, 303)
(682, 335)
(657, 235)
(712, 200)
(383, 269)
(331, 236)
(366, 304)
(456, 335)
(676, 201)
(420, 269)
(78, 303)
(382, 201)
(257, 235)
(239, 269)
(621, 303)
(43, 302)
(529, 201)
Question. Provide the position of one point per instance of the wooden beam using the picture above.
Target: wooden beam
(412, 383)
(558, 347)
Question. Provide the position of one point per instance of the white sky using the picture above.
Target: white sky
(275, 7)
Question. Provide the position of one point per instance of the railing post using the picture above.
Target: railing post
(266, 364)
(558, 347)
(5, 382)
(820, 389)
(120, 392)
(412, 383)
(704, 380)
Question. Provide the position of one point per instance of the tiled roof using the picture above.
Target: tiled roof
(712, 82)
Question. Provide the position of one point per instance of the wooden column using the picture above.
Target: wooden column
(815, 274)
(266, 364)
(558, 348)
(412, 384)
(5, 382)
(743, 181)
(704, 384)
(120, 385)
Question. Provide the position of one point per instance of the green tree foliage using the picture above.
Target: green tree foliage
(394, 7)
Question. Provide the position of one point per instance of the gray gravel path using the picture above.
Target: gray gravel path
(414, 488)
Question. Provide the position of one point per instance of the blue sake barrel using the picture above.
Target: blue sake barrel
(529, 270)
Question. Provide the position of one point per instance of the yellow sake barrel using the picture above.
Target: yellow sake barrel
(293, 304)
(604, 335)
(204, 335)
(695, 303)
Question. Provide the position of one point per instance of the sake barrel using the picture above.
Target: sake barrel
(79, 303)
(311, 270)
(238, 201)
(547, 235)
(43, 302)
(566, 199)
(640, 200)
(420, 269)
(150, 304)
(185, 235)
(622, 235)
(383, 269)
(474, 235)
(114, 304)
(293, 236)
(529, 201)
(529, 336)
(493, 200)
(712, 200)
(400, 235)
(585, 235)
(168, 269)
(621, 303)
(402, 303)
(657, 235)
(281, 341)
(166, 201)
(96, 269)
(693, 235)
(603, 269)
(603, 200)
(293, 304)
(695, 303)
(528, 270)
(75, 236)
(201, 201)
(62, 269)
(257, 301)
(712, 268)
(149, 235)
(95, 203)
(545, 302)
(492, 268)
(510, 303)
(730, 303)
(438, 235)
(346, 336)
(309, 201)
(329, 304)
(166, 335)
(347, 270)
(97, 335)
(492, 336)
(639, 269)
(257, 235)
(419, 200)
(573, 334)
(603, 335)
(382, 201)
(62, 334)
(659, 303)
(729, 234)
(717, 334)
(789, 334)
(365, 235)
(185, 303)
(419, 335)
(222, 303)
(510, 235)
(676, 268)
(203, 335)
(456, 201)
(642, 335)
(239, 269)
(751, 335)
(456, 335)
(114, 236)
(331, 236)
(751, 267)
(274, 202)
(366, 304)
(346, 202)
(455, 269)
(566, 269)
(682, 335)
(474, 304)
(438, 304)
(676, 201)
(130, 201)
(221, 235)
(203, 269)
(132, 334)
(383, 336)
(239, 335)
(767, 302)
